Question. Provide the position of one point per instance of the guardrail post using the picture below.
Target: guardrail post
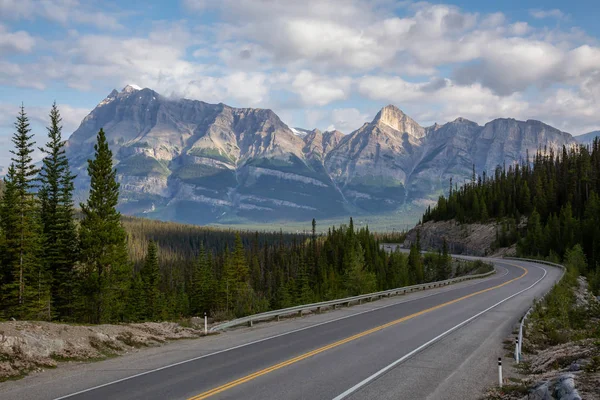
(300, 313)
(318, 310)
(520, 339)
(250, 323)
(205, 324)
(500, 372)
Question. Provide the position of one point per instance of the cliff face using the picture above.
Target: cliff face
(470, 239)
(196, 162)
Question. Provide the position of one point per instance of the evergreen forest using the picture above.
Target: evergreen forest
(87, 263)
(547, 205)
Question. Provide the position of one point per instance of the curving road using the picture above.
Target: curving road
(439, 344)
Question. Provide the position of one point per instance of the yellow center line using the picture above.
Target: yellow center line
(304, 356)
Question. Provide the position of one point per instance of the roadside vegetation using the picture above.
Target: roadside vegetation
(561, 340)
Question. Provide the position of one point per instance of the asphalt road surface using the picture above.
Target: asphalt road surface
(439, 344)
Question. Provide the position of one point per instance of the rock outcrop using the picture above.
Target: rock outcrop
(471, 239)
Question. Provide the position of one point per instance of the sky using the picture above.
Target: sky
(317, 63)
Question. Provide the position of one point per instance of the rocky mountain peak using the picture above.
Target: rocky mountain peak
(334, 133)
(177, 156)
(131, 89)
(391, 116)
(587, 138)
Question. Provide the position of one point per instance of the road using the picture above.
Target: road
(439, 344)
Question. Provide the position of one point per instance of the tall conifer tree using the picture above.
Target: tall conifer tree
(202, 295)
(60, 236)
(103, 246)
(26, 292)
(150, 274)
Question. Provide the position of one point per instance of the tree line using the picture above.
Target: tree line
(556, 193)
(92, 265)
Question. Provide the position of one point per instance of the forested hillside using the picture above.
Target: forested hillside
(558, 193)
(93, 267)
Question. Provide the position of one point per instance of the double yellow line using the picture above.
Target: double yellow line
(304, 356)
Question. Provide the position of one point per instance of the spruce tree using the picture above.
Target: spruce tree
(415, 261)
(150, 274)
(60, 236)
(202, 294)
(9, 218)
(103, 246)
(305, 294)
(357, 279)
(240, 265)
(135, 307)
(26, 289)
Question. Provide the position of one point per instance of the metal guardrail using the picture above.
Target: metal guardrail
(522, 324)
(249, 320)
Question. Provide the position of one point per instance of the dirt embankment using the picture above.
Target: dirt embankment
(29, 346)
(471, 239)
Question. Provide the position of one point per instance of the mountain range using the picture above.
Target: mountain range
(190, 161)
(587, 138)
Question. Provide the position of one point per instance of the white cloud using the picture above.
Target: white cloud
(573, 110)
(320, 90)
(493, 20)
(298, 56)
(63, 12)
(347, 120)
(314, 117)
(71, 116)
(15, 42)
(541, 14)
(519, 28)
(245, 88)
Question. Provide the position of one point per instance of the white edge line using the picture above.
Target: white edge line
(267, 338)
(382, 371)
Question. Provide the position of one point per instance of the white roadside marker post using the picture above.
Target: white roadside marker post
(500, 371)
(205, 324)
(517, 350)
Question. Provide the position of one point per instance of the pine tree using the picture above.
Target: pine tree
(305, 294)
(135, 306)
(202, 293)
(26, 289)
(415, 261)
(357, 279)
(240, 266)
(446, 267)
(9, 218)
(150, 275)
(103, 250)
(476, 211)
(60, 236)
